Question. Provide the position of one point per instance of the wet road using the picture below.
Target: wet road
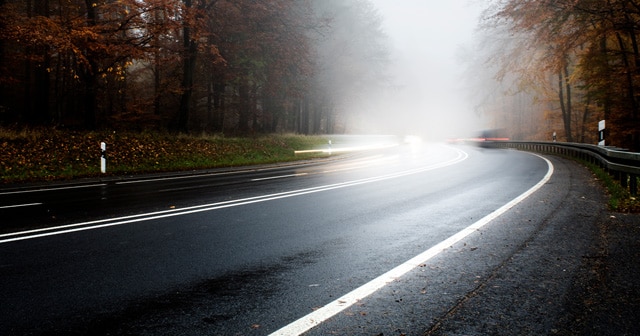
(247, 252)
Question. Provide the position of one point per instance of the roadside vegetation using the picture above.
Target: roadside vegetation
(620, 199)
(46, 154)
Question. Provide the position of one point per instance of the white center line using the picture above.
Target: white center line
(278, 177)
(52, 189)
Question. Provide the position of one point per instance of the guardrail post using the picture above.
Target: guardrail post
(624, 178)
(633, 185)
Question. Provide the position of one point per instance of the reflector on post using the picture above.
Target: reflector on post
(601, 133)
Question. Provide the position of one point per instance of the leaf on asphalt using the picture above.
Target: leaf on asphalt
(255, 326)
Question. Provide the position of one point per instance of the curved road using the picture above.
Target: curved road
(257, 251)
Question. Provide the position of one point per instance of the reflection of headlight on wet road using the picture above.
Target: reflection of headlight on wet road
(337, 148)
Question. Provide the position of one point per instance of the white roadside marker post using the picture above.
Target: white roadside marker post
(103, 157)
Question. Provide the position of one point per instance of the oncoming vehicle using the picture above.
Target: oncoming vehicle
(488, 137)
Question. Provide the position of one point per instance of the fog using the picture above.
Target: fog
(428, 41)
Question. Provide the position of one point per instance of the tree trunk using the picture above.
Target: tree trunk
(636, 55)
(566, 117)
(316, 117)
(91, 82)
(40, 113)
(569, 113)
(635, 133)
(244, 106)
(304, 116)
(585, 118)
(188, 67)
(210, 93)
(218, 105)
(90, 100)
(631, 97)
(3, 98)
(187, 84)
(42, 78)
(156, 84)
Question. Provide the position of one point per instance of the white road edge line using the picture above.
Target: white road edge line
(103, 223)
(182, 177)
(19, 205)
(313, 319)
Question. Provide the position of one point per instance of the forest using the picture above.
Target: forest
(217, 66)
(241, 67)
(562, 66)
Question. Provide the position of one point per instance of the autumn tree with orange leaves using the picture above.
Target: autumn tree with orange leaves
(236, 66)
(581, 57)
(68, 62)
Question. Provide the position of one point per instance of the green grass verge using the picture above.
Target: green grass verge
(54, 154)
(620, 199)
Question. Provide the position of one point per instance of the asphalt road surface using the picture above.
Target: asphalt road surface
(406, 241)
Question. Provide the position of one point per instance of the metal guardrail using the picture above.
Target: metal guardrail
(624, 166)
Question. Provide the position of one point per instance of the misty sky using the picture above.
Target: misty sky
(427, 37)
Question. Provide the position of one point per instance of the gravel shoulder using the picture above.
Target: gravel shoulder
(606, 297)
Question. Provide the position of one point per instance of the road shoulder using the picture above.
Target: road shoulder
(606, 295)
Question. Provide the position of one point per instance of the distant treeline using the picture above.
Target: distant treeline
(240, 66)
